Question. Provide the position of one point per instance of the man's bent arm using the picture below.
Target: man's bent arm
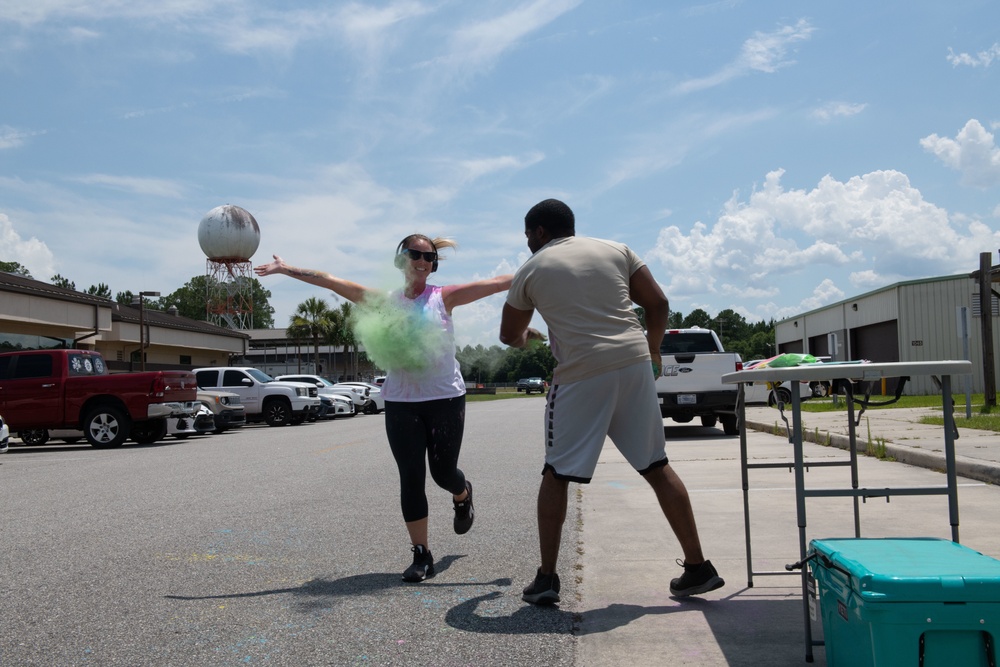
(645, 291)
(514, 326)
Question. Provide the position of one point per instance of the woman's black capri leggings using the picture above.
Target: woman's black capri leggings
(431, 431)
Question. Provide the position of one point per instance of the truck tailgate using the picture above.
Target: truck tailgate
(696, 373)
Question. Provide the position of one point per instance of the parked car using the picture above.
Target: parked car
(372, 392)
(528, 385)
(379, 381)
(340, 406)
(758, 393)
(265, 399)
(326, 388)
(333, 406)
(226, 406)
(203, 421)
(4, 436)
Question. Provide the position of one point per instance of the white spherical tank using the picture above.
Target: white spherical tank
(228, 233)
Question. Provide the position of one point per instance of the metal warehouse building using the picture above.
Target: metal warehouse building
(918, 320)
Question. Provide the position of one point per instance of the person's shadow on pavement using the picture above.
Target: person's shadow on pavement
(360, 584)
(526, 620)
(529, 619)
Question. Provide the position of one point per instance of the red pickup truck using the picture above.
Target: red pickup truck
(72, 389)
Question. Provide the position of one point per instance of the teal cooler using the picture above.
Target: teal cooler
(907, 601)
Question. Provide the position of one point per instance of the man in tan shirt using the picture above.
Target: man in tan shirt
(584, 289)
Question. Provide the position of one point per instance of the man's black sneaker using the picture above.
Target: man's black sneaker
(543, 590)
(423, 565)
(697, 579)
(465, 513)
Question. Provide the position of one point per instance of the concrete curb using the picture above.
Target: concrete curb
(979, 470)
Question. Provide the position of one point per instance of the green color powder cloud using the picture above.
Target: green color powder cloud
(395, 336)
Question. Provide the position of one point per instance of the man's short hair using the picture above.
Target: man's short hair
(553, 216)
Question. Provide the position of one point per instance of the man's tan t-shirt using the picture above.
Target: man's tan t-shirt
(580, 287)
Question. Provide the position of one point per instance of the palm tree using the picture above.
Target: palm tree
(313, 320)
(342, 334)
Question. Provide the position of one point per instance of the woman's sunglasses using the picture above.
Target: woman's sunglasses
(417, 254)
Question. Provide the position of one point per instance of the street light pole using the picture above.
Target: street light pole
(142, 328)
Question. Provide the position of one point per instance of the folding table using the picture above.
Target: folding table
(842, 375)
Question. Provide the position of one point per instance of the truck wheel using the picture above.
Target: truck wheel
(729, 425)
(277, 412)
(34, 436)
(708, 421)
(148, 432)
(371, 408)
(106, 427)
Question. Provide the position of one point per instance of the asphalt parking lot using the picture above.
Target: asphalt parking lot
(283, 546)
(278, 546)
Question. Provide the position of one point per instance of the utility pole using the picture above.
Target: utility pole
(986, 323)
(143, 337)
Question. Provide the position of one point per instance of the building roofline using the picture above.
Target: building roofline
(10, 282)
(887, 288)
(165, 320)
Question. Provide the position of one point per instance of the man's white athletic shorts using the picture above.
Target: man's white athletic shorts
(621, 405)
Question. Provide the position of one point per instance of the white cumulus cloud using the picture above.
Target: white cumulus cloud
(31, 254)
(877, 227)
(973, 153)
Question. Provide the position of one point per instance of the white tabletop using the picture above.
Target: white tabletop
(850, 371)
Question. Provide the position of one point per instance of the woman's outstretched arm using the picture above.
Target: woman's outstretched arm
(459, 295)
(345, 288)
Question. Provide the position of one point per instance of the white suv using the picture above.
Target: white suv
(263, 397)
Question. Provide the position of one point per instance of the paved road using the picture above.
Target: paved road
(285, 546)
(277, 546)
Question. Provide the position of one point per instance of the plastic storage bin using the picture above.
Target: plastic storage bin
(907, 602)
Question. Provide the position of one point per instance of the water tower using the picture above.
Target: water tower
(229, 237)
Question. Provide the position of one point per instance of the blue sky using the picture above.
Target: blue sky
(769, 157)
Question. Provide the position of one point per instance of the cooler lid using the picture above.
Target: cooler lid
(912, 569)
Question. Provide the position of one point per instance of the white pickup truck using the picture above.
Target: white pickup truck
(263, 397)
(691, 384)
